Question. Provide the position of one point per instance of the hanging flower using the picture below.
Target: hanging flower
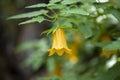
(105, 38)
(59, 44)
(107, 53)
(77, 42)
(74, 56)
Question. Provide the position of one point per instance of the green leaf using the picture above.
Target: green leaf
(74, 11)
(29, 14)
(101, 44)
(47, 31)
(78, 11)
(86, 31)
(37, 5)
(54, 1)
(37, 19)
(88, 1)
(115, 45)
(116, 13)
(76, 1)
(56, 6)
(64, 22)
(69, 1)
(52, 30)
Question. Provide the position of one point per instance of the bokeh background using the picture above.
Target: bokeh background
(30, 61)
(11, 35)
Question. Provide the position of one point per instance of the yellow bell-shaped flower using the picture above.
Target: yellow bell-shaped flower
(59, 44)
(74, 56)
(77, 42)
(107, 53)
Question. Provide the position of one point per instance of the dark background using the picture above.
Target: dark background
(11, 35)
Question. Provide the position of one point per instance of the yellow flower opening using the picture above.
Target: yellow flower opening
(107, 53)
(59, 44)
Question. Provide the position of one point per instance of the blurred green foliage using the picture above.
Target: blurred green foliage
(38, 51)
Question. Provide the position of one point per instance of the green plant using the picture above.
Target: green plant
(92, 19)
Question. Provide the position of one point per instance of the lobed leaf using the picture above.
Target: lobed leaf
(29, 14)
(88, 1)
(54, 1)
(37, 19)
(115, 45)
(86, 31)
(69, 1)
(56, 6)
(74, 11)
(37, 5)
(76, 1)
